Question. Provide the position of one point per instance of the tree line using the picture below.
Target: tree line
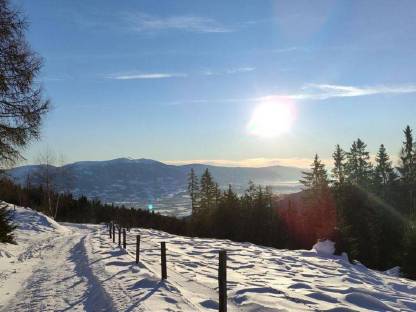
(367, 208)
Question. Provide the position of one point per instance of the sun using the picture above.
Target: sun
(271, 118)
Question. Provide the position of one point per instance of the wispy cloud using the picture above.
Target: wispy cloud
(327, 91)
(240, 70)
(311, 92)
(230, 71)
(142, 22)
(146, 76)
(163, 75)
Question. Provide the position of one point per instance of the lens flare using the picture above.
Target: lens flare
(271, 118)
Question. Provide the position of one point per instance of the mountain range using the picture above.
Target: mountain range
(139, 182)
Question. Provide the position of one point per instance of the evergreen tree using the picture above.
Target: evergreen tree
(6, 227)
(317, 178)
(407, 157)
(338, 171)
(319, 214)
(193, 189)
(227, 217)
(408, 267)
(358, 168)
(208, 191)
(407, 170)
(384, 173)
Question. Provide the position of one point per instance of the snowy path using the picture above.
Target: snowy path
(75, 267)
(62, 281)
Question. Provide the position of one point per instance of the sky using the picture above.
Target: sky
(248, 83)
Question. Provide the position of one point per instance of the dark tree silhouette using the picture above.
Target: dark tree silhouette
(21, 103)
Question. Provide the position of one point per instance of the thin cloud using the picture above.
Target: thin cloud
(134, 76)
(230, 71)
(327, 91)
(312, 92)
(146, 76)
(142, 22)
(240, 70)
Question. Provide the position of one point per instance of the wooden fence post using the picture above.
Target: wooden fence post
(114, 233)
(119, 236)
(110, 229)
(163, 260)
(137, 249)
(124, 239)
(222, 280)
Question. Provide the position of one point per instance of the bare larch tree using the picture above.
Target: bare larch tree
(22, 105)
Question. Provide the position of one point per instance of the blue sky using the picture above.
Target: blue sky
(180, 80)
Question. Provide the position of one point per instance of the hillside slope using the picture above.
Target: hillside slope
(138, 182)
(76, 267)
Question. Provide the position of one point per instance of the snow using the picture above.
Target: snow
(324, 248)
(75, 267)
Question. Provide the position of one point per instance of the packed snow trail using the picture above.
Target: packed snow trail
(75, 267)
(62, 280)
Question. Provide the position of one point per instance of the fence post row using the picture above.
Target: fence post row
(222, 280)
(114, 233)
(163, 260)
(222, 264)
(137, 249)
(124, 239)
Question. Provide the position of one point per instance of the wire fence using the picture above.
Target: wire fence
(121, 236)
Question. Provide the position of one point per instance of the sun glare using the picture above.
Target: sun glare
(272, 118)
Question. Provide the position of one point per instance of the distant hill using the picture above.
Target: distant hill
(142, 181)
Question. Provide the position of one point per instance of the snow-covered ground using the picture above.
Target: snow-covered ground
(75, 267)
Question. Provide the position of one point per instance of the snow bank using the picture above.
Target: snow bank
(324, 248)
(28, 220)
(35, 235)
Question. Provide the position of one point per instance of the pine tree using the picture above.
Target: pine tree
(383, 172)
(338, 171)
(407, 170)
(319, 214)
(317, 178)
(193, 189)
(207, 191)
(6, 227)
(358, 168)
(408, 267)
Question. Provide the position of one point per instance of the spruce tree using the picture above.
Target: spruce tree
(384, 173)
(338, 171)
(408, 267)
(6, 227)
(317, 178)
(193, 189)
(358, 168)
(407, 170)
(319, 214)
(207, 191)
